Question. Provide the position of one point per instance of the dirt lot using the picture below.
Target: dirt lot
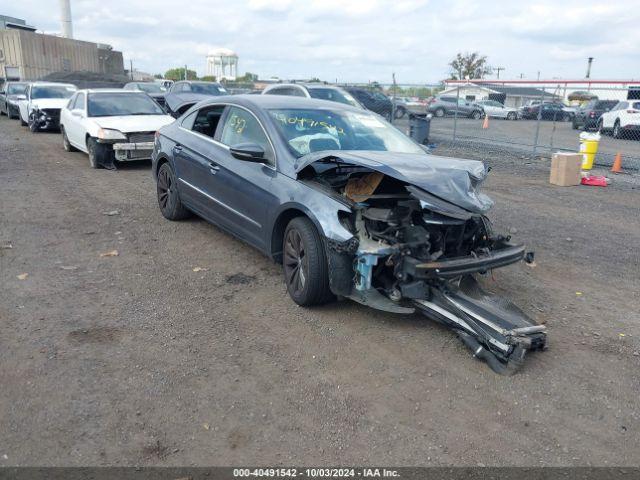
(140, 359)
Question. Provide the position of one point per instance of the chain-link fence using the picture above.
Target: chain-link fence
(539, 121)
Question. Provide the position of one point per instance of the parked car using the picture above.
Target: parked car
(154, 89)
(588, 116)
(40, 109)
(351, 207)
(184, 94)
(11, 94)
(493, 108)
(372, 100)
(110, 124)
(622, 119)
(404, 105)
(313, 90)
(445, 105)
(547, 111)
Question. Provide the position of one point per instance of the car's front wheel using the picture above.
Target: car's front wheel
(400, 112)
(476, 115)
(439, 112)
(305, 264)
(512, 116)
(169, 201)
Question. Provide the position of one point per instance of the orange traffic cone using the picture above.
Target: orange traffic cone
(485, 124)
(617, 164)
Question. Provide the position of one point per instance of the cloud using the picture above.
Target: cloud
(361, 40)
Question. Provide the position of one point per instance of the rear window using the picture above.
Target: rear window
(605, 104)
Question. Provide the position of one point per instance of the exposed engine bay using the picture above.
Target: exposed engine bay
(412, 250)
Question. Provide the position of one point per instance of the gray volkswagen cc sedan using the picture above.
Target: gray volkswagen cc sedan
(352, 208)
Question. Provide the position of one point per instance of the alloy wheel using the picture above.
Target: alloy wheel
(165, 192)
(295, 262)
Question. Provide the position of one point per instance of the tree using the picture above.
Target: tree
(247, 77)
(178, 74)
(469, 65)
(208, 78)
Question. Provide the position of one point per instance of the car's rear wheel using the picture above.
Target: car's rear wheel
(439, 112)
(65, 141)
(476, 115)
(169, 201)
(512, 116)
(305, 264)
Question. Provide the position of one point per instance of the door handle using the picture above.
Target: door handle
(214, 168)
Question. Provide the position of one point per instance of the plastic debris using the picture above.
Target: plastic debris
(110, 253)
(6, 246)
(595, 180)
(22, 276)
(205, 426)
(68, 267)
(111, 213)
(199, 269)
(578, 293)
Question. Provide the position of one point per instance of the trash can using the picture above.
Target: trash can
(419, 125)
(589, 148)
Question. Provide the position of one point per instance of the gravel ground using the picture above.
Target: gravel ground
(184, 349)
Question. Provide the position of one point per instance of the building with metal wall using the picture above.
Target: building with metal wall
(26, 55)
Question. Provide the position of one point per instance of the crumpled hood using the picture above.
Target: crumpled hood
(134, 123)
(454, 180)
(44, 103)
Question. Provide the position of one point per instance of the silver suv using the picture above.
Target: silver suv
(443, 105)
(313, 90)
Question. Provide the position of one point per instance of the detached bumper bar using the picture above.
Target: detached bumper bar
(133, 151)
(456, 267)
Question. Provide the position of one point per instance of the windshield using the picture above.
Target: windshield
(16, 89)
(150, 87)
(333, 95)
(208, 89)
(118, 104)
(51, 91)
(307, 131)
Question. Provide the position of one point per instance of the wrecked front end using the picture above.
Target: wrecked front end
(412, 250)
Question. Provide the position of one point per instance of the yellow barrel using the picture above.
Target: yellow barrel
(588, 148)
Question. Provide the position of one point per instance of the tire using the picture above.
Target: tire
(476, 115)
(169, 201)
(439, 112)
(618, 132)
(600, 127)
(400, 112)
(32, 124)
(65, 141)
(305, 266)
(99, 155)
(10, 113)
(512, 116)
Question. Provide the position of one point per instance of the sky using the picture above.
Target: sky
(360, 40)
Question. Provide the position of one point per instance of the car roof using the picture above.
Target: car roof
(108, 90)
(279, 101)
(52, 84)
(198, 82)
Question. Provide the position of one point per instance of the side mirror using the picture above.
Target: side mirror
(249, 152)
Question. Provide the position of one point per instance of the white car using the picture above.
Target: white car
(493, 108)
(623, 118)
(40, 109)
(110, 124)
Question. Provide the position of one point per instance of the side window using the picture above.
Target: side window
(276, 91)
(79, 103)
(296, 92)
(187, 122)
(241, 126)
(622, 105)
(207, 119)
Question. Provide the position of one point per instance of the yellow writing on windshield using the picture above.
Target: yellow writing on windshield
(308, 123)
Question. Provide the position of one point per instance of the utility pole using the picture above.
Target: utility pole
(185, 71)
(522, 75)
(589, 62)
(538, 74)
(131, 68)
(498, 69)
